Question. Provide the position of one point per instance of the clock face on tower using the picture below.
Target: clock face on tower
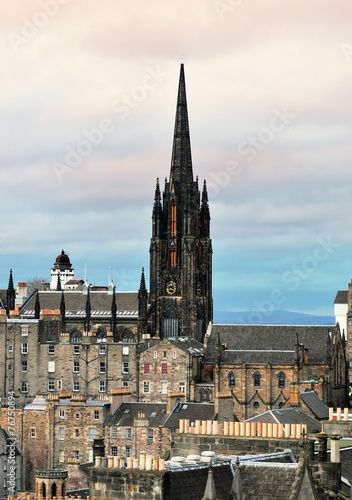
(171, 287)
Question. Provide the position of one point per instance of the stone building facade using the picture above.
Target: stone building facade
(52, 431)
(258, 368)
(78, 362)
(171, 365)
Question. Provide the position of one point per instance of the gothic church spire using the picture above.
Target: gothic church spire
(181, 161)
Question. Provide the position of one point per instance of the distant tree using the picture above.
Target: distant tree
(35, 283)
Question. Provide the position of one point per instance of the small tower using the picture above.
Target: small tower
(50, 483)
(62, 269)
(180, 247)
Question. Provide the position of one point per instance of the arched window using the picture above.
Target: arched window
(53, 490)
(170, 323)
(207, 394)
(43, 490)
(202, 394)
(231, 377)
(75, 336)
(281, 380)
(127, 337)
(256, 379)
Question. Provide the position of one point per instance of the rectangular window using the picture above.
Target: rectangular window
(24, 348)
(125, 367)
(78, 416)
(77, 433)
(76, 454)
(51, 366)
(146, 387)
(164, 368)
(51, 349)
(24, 366)
(90, 455)
(24, 329)
(76, 367)
(128, 451)
(163, 387)
(149, 435)
(61, 413)
(182, 368)
(32, 432)
(59, 385)
(155, 354)
(61, 433)
(51, 385)
(101, 385)
(125, 350)
(102, 367)
(96, 414)
(113, 451)
(102, 349)
(174, 355)
(91, 434)
(164, 354)
(24, 387)
(146, 367)
(10, 348)
(125, 383)
(76, 349)
(128, 433)
(76, 385)
(113, 432)
(61, 456)
(182, 387)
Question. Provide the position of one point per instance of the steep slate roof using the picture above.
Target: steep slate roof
(75, 303)
(190, 483)
(190, 411)
(341, 297)
(288, 416)
(315, 405)
(125, 414)
(186, 344)
(262, 344)
(268, 482)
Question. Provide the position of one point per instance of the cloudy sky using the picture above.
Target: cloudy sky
(88, 96)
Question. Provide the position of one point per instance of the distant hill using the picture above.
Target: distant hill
(270, 318)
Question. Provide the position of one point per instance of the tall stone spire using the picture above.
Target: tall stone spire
(180, 249)
(181, 160)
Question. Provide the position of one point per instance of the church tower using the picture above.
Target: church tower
(180, 248)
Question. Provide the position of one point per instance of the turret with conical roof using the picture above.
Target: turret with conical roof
(180, 248)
